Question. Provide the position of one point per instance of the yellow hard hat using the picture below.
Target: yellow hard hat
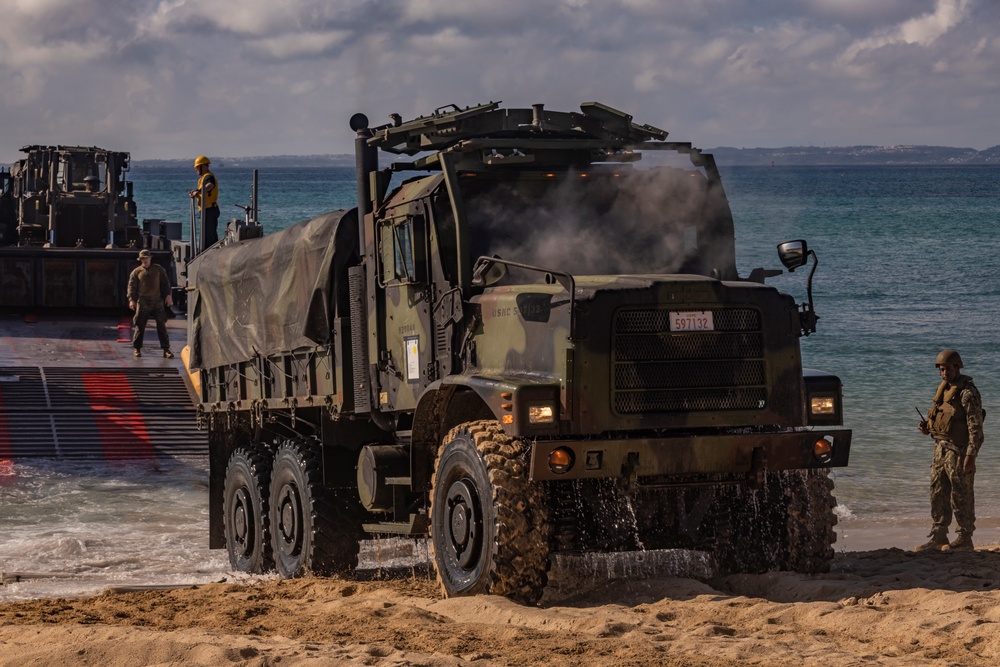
(200, 160)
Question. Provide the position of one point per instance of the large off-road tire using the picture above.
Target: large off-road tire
(786, 524)
(313, 529)
(244, 507)
(810, 521)
(489, 528)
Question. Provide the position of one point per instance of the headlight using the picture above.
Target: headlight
(541, 413)
(822, 405)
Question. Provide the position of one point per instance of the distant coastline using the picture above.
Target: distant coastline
(724, 155)
(854, 155)
(257, 162)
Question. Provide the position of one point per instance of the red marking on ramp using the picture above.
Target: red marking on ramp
(125, 330)
(122, 431)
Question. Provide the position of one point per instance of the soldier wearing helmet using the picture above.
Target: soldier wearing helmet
(210, 186)
(955, 421)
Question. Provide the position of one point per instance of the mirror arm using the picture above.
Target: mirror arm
(807, 314)
(565, 280)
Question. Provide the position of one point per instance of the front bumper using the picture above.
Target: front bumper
(700, 454)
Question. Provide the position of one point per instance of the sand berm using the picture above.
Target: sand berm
(882, 607)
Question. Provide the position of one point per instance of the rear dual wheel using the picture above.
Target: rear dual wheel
(313, 529)
(278, 515)
(245, 510)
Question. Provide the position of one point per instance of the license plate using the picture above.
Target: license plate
(691, 320)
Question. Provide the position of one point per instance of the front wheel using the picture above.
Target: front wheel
(787, 524)
(489, 528)
(313, 529)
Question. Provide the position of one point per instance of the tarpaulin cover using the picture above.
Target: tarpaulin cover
(267, 295)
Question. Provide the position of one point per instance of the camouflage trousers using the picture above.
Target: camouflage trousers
(951, 493)
(143, 311)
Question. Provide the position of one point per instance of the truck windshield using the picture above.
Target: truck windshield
(602, 221)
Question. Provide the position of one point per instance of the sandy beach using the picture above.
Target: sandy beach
(882, 607)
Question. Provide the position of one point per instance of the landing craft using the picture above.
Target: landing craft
(69, 233)
(69, 238)
(530, 347)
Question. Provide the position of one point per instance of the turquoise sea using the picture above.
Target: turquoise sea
(909, 263)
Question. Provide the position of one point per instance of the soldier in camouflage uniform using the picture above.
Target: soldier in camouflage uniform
(955, 420)
(149, 296)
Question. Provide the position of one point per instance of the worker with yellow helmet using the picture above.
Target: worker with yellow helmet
(208, 185)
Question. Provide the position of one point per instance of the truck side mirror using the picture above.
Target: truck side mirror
(793, 254)
(487, 272)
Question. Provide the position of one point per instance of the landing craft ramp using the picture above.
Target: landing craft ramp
(70, 388)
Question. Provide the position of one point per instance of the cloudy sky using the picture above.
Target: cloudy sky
(176, 78)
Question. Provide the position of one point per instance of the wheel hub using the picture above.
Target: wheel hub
(241, 523)
(289, 519)
(464, 523)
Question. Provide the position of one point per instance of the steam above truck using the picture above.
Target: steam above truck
(531, 345)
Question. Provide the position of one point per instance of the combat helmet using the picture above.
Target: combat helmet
(948, 357)
(200, 160)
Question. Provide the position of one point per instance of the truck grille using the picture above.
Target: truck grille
(656, 370)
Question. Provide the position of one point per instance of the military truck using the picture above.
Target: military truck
(68, 229)
(530, 345)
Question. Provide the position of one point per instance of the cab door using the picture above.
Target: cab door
(406, 364)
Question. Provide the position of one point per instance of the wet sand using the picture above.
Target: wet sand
(885, 607)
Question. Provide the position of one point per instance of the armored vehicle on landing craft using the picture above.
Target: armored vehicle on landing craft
(532, 345)
(68, 230)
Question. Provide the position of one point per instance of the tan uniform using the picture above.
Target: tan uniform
(149, 288)
(956, 422)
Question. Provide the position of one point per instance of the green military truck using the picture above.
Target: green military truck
(531, 345)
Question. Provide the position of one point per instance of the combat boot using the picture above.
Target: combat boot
(936, 543)
(962, 543)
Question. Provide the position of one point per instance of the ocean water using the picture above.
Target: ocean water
(909, 263)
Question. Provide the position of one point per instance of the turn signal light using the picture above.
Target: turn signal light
(823, 449)
(561, 460)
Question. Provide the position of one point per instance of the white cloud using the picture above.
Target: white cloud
(921, 30)
(304, 44)
(166, 78)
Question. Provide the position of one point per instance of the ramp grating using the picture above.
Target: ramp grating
(111, 413)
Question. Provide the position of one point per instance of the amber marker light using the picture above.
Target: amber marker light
(823, 449)
(560, 460)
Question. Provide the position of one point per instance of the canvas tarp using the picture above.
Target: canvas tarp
(267, 295)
